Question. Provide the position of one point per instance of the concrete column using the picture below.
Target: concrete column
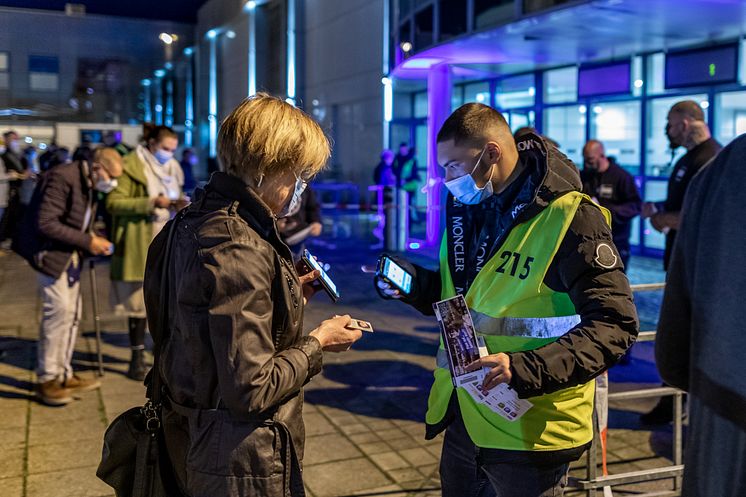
(439, 108)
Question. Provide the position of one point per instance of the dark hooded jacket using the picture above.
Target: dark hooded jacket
(594, 281)
(235, 359)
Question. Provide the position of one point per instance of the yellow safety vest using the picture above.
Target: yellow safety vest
(515, 311)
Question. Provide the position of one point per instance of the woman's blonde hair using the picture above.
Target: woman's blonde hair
(266, 136)
(109, 159)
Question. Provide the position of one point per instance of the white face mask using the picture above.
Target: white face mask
(15, 147)
(106, 186)
(292, 206)
(163, 156)
(465, 189)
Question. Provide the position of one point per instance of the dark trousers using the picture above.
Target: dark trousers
(468, 471)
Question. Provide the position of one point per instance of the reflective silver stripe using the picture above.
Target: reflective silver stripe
(485, 325)
(553, 327)
(441, 360)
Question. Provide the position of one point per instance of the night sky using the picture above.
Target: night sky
(169, 10)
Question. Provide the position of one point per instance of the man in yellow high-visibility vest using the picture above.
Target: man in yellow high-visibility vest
(546, 289)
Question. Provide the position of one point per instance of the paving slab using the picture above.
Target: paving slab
(12, 438)
(344, 477)
(53, 457)
(11, 462)
(78, 482)
(88, 407)
(329, 447)
(389, 460)
(11, 487)
(89, 428)
(418, 456)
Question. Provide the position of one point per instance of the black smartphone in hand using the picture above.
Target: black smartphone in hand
(395, 275)
(326, 282)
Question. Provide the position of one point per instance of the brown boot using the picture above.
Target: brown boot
(77, 384)
(53, 394)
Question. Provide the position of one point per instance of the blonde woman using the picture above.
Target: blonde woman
(234, 358)
(148, 193)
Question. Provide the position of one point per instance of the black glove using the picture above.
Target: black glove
(425, 285)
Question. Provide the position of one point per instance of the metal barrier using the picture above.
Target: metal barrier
(594, 481)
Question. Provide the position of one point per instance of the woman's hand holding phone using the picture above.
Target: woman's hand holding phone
(307, 281)
(394, 277)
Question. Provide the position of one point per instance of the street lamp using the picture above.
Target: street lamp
(168, 38)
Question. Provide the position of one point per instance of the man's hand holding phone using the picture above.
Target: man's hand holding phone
(388, 290)
(394, 278)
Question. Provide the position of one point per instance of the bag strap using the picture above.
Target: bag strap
(161, 324)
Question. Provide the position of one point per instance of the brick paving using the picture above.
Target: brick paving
(364, 414)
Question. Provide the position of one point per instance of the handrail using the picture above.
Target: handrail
(648, 287)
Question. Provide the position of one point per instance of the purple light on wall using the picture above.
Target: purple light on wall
(607, 79)
(438, 110)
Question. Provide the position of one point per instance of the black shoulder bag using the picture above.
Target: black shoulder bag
(134, 460)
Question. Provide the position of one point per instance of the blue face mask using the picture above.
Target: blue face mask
(465, 189)
(163, 156)
(292, 206)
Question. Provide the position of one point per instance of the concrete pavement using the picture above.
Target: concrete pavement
(364, 414)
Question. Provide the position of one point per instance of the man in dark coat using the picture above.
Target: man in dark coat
(614, 188)
(686, 128)
(701, 339)
(54, 237)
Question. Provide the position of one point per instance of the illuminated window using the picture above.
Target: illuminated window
(457, 97)
(516, 91)
(44, 73)
(656, 69)
(566, 126)
(655, 191)
(4, 70)
(561, 85)
(420, 104)
(617, 126)
(730, 113)
(477, 92)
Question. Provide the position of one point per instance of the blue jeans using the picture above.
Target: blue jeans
(468, 471)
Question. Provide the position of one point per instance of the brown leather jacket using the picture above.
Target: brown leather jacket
(236, 359)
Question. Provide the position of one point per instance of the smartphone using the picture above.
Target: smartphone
(394, 274)
(326, 282)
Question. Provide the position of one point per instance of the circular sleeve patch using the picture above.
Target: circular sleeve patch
(605, 256)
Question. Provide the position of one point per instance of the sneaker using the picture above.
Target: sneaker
(53, 393)
(77, 384)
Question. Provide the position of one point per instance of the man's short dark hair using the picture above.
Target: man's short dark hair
(690, 109)
(8, 133)
(471, 123)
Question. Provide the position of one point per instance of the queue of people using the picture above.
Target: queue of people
(110, 201)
